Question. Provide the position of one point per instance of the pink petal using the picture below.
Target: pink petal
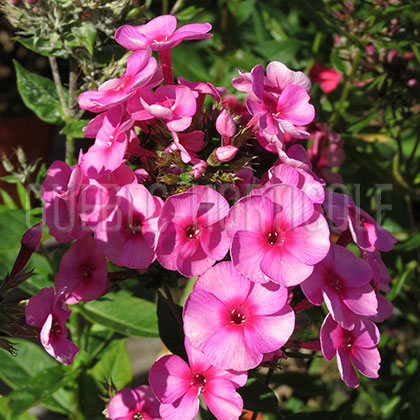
(361, 300)
(129, 37)
(196, 359)
(185, 103)
(213, 206)
(257, 74)
(180, 209)
(224, 282)
(169, 241)
(185, 408)
(39, 307)
(385, 309)
(222, 399)
(204, 314)
(136, 253)
(267, 298)
(227, 349)
(170, 378)
(284, 268)
(366, 334)
(347, 372)
(215, 242)
(339, 311)
(367, 361)
(330, 336)
(281, 76)
(120, 405)
(138, 60)
(193, 31)
(247, 251)
(268, 333)
(294, 107)
(179, 124)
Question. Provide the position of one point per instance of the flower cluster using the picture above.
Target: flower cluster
(255, 244)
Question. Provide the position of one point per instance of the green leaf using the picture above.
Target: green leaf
(17, 371)
(7, 200)
(188, 13)
(39, 94)
(43, 277)
(74, 128)
(86, 35)
(25, 200)
(336, 61)
(259, 397)
(170, 329)
(409, 245)
(43, 47)
(6, 414)
(125, 314)
(114, 365)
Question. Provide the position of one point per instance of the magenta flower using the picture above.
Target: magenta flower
(277, 113)
(83, 271)
(191, 231)
(203, 89)
(356, 347)
(128, 235)
(141, 69)
(107, 154)
(342, 281)
(160, 34)
(366, 232)
(187, 144)
(235, 321)
(277, 236)
(134, 404)
(49, 313)
(177, 386)
(176, 105)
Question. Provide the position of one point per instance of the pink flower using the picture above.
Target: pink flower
(281, 108)
(203, 89)
(356, 347)
(128, 235)
(277, 236)
(342, 281)
(30, 242)
(365, 231)
(225, 126)
(191, 231)
(137, 403)
(83, 271)
(235, 321)
(327, 78)
(49, 313)
(159, 34)
(141, 69)
(107, 154)
(198, 169)
(177, 386)
(188, 144)
(176, 105)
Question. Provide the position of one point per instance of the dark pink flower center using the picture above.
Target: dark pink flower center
(123, 83)
(134, 226)
(199, 381)
(275, 238)
(192, 231)
(86, 271)
(237, 316)
(335, 282)
(56, 327)
(137, 416)
(347, 339)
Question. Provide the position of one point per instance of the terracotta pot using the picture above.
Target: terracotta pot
(33, 135)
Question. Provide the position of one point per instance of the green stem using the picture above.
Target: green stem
(345, 90)
(165, 7)
(69, 150)
(58, 85)
(413, 152)
(72, 86)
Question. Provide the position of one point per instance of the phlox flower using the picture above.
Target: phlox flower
(188, 144)
(277, 113)
(327, 78)
(365, 231)
(141, 71)
(107, 154)
(50, 313)
(176, 105)
(226, 127)
(277, 236)
(203, 89)
(356, 347)
(134, 404)
(83, 271)
(191, 231)
(343, 281)
(160, 34)
(234, 321)
(128, 234)
(177, 386)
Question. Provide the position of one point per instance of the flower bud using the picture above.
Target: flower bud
(225, 153)
(225, 125)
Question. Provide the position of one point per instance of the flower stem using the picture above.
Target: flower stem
(166, 62)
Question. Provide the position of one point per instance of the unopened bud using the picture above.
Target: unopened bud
(225, 153)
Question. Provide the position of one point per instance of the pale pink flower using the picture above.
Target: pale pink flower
(107, 154)
(128, 235)
(327, 78)
(356, 347)
(365, 231)
(176, 105)
(138, 403)
(277, 236)
(177, 386)
(235, 321)
(141, 69)
(50, 313)
(343, 281)
(160, 34)
(83, 271)
(191, 231)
